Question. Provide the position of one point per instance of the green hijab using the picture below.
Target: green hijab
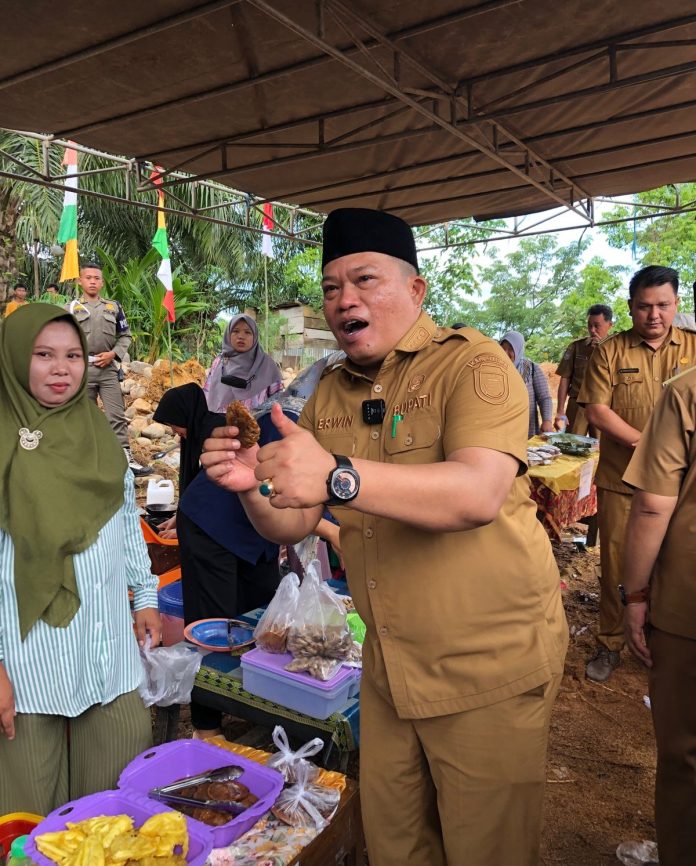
(55, 498)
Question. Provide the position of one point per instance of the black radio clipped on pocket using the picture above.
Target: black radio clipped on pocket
(374, 411)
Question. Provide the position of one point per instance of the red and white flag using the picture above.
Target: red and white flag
(268, 226)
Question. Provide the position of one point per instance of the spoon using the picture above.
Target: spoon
(160, 454)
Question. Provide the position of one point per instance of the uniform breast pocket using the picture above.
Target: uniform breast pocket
(109, 326)
(337, 443)
(417, 439)
(628, 391)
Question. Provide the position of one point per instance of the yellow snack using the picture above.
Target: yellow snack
(90, 853)
(113, 841)
(104, 827)
(60, 844)
(130, 846)
(169, 830)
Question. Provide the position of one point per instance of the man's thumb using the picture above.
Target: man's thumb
(282, 423)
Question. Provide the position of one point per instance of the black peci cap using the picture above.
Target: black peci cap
(351, 230)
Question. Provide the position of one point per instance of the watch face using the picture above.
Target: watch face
(344, 484)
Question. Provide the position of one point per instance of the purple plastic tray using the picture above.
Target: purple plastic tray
(164, 764)
(275, 663)
(116, 803)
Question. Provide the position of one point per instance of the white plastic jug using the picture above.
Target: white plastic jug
(160, 492)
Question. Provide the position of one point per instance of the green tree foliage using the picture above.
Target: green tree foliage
(541, 289)
(136, 287)
(450, 272)
(598, 283)
(667, 240)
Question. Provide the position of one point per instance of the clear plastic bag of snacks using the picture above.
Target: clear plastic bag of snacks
(305, 804)
(288, 762)
(271, 632)
(320, 629)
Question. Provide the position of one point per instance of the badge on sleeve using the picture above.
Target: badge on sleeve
(491, 382)
(121, 321)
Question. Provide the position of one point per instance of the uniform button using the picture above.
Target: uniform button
(371, 584)
(384, 630)
(409, 440)
(657, 378)
(374, 434)
(369, 532)
(377, 389)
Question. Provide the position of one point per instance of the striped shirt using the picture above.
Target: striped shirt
(539, 394)
(64, 671)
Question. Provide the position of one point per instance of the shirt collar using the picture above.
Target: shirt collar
(419, 335)
(674, 336)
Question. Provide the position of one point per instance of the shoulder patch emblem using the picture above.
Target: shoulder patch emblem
(415, 383)
(419, 338)
(491, 382)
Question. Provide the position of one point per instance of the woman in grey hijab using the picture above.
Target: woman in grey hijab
(535, 380)
(242, 371)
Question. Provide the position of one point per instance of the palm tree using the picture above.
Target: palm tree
(28, 212)
(31, 213)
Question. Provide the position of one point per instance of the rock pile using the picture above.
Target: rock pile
(142, 388)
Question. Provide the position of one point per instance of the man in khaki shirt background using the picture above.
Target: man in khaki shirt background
(572, 370)
(622, 384)
(418, 441)
(659, 592)
(108, 338)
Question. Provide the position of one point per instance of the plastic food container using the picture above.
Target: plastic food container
(171, 608)
(264, 675)
(131, 803)
(165, 764)
(160, 492)
(13, 826)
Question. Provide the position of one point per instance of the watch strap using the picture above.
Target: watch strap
(342, 462)
(640, 596)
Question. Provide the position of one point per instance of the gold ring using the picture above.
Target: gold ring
(266, 488)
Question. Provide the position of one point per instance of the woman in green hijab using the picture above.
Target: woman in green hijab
(70, 549)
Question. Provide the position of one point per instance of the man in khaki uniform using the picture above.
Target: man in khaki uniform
(418, 441)
(659, 587)
(572, 370)
(622, 384)
(108, 338)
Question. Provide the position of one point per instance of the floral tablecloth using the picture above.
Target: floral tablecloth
(559, 510)
(555, 490)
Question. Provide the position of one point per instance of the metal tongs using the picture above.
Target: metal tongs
(165, 794)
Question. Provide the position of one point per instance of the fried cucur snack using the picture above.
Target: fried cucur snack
(239, 416)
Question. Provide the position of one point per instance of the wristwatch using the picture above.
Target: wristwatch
(639, 597)
(343, 482)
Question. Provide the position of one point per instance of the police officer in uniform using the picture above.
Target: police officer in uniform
(659, 589)
(108, 338)
(572, 370)
(418, 441)
(622, 384)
